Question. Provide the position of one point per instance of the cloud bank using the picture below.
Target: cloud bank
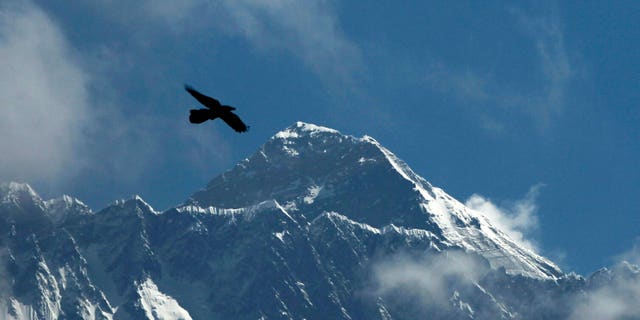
(62, 120)
(43, 96)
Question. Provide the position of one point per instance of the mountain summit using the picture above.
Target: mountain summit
(311, 170)
(314, 225)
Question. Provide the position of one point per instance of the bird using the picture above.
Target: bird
(215, 110)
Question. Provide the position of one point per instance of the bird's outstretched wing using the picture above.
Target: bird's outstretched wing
(207, 101)
(234, 121)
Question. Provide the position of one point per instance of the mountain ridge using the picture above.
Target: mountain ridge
(417, 203)
(286, 234)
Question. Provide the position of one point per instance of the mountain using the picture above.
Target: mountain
(311, 169)
(314, 225)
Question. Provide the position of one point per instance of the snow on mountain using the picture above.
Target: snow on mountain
(159, 306)
(313, 169)
(61, 208)
(14, 192)
(314, 225)
(43, 274)
(20, 197)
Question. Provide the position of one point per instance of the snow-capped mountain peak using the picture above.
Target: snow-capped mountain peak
(316, 224)
(17, 193)
(300, 129)
(311, 170)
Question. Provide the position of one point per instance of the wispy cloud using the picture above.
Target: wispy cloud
(616, 296)
(467, 85)
(171, 11)
(307, 30)
(43, 96)
(545, 97)
(120, 148)
(633, 255)
(548, 37)
(517, 219)
(204, 148)
(427, 280)
(62, 120)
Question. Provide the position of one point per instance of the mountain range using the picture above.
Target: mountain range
(314, 225)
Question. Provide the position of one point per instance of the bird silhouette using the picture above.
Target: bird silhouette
(215, 110)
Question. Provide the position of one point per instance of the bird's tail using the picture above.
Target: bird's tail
(198, 115)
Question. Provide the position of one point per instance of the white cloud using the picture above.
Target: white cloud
(59, 119)
(617, 296)
(43, 96)
(309, 30)
(632, 256)
(429, 280)
(618, 300)
(517, 219)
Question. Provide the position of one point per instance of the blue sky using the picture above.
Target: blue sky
(528, 110)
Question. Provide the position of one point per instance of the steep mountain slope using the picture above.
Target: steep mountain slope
(312, 169)
(315, 225)
(43, 274)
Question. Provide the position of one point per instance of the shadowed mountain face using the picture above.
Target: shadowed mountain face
(310, 170)
(314, 225)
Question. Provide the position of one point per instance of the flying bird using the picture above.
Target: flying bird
(215, 110)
